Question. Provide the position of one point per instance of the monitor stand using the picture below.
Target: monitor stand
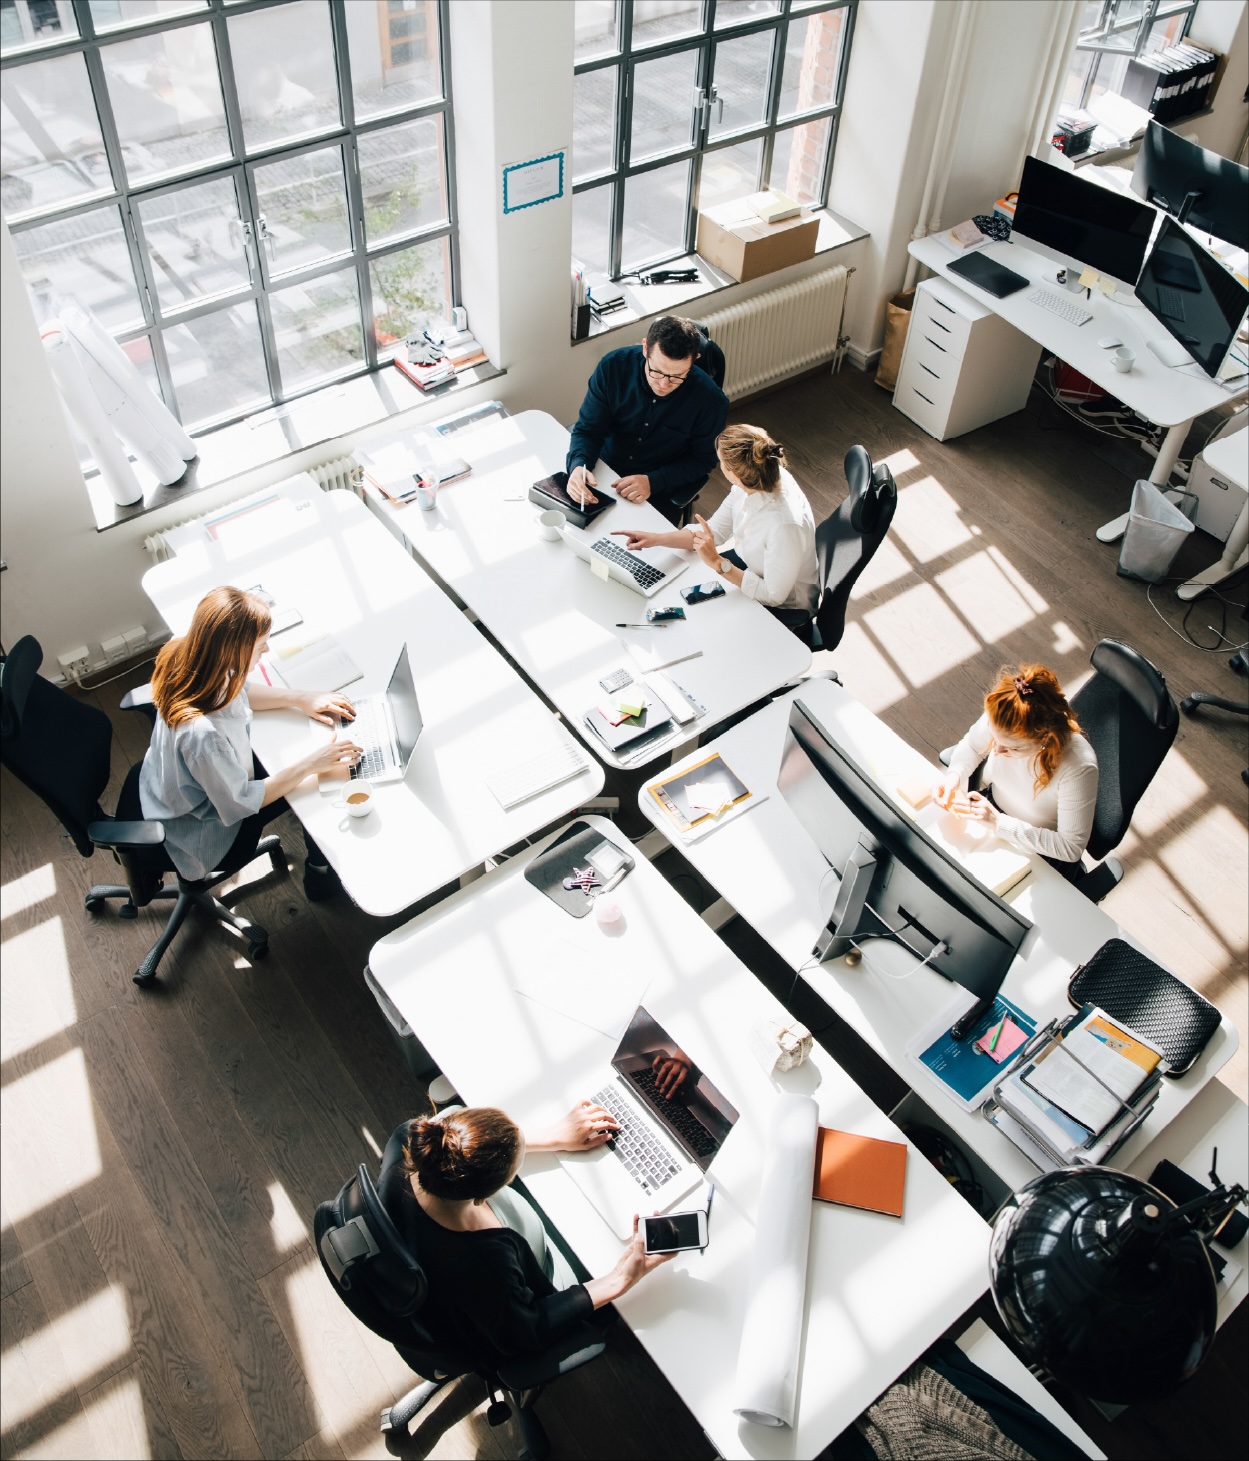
(1170, 352)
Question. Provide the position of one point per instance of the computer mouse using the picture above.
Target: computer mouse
(1108, 342)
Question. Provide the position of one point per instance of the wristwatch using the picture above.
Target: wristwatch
(725, 565)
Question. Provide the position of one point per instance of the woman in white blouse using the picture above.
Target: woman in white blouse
(770, 521)
(1039, 773)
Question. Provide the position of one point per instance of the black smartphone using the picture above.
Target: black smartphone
(699, 593)
(662, 616)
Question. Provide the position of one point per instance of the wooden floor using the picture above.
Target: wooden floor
(162, 1151)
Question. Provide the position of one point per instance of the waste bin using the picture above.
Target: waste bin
(1156, 529)
(419, 1060)
(897, 322)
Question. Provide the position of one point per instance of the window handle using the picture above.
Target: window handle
(244, 231)
(266, 237)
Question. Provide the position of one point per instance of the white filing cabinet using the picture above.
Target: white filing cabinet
(1220, 479)
(963, 366)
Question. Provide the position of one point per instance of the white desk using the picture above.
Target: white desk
(553, 616)
(879, 1289)
(340, 568)
(1170, 398)
(765, 865)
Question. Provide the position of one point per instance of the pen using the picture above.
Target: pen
(265, 673)
(997, 1034)
(659, 624)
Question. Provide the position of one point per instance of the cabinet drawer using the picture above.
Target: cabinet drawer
(929, 414)
(936, 319)
(929, 359)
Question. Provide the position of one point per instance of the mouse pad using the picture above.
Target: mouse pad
(565, 858)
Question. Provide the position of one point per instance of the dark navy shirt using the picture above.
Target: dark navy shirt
(670, 439)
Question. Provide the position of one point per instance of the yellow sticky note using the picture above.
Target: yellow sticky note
(1107, 286)
(1088, 278)
(631, 702)
(598, 567)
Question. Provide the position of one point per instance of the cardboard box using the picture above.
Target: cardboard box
(734, 238)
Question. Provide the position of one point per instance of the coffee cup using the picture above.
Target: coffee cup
(1123, 358)
(357, 800)
(551, 524)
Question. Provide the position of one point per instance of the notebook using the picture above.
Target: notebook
(859, 1171)
(994, 278)
(553, 492)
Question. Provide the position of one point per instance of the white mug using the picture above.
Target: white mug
(357, 800)
(426, 493)
(1123, 358)
(551, 524)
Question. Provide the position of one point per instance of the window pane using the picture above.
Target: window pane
(112, 14)
(284, 68)
(411, 289)
(663, 105)
(591, 223)
(395, 61)
(304, 204)
(812, 52)
(662, 20)
(139, 353)
(34, 23)
(736, 12)
(729, 173)
(595, 24)
(86, 258)
(1073, 90)
(53, 152)
(317, 328)
(167, 101)
(217, 365)
(654, 222)
(402, 179)
(593, 122)
(195, 242)
(798, 161)
(741, 75)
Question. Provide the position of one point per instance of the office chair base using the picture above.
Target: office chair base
(398, 1417)
(536, 1444)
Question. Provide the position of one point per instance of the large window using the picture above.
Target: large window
(253, 195)
(683, 104)
(1113, 32)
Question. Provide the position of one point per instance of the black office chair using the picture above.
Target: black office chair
(1191, 703)
(380, 1279)
(846, 541)
(59, 747)
(711, 359)
(1131, 721)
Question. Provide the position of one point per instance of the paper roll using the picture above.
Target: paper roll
(766, 1389)
(88, 416)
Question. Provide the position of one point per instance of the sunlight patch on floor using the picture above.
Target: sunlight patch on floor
(95, 1334)
(24, 892)
(289, 1230)
(1172, 793)
(985, 596)
(929, 521)
(54, 1099)
(866, 672)
(886, 566)
(30, 1016)
(921, 634)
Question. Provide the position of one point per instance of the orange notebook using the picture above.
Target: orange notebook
(860, 1171)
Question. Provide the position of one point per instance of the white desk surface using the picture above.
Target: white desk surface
(1162, 395)
(553, 616)
(765, 865)
(344, 572)
(879, 1289)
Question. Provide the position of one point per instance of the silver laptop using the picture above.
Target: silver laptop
(673, 1121)
(644, 570)
(387, 728)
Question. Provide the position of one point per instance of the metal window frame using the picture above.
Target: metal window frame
(1110, 25)
(240, 166)
(705, 42)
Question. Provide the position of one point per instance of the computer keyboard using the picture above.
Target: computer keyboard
(1171, 302)
(641, 570)
(639, 1150)
(368, 731)
(699, 1140)
(1060, 305)
(513, 784)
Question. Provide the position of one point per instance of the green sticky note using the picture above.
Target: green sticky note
(632, 702)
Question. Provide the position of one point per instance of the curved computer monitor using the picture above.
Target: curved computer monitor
(1186, 289)
(1081, 222)
(1208, 192)
(895, 880)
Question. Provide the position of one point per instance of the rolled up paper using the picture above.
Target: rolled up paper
(766, 1389)
(86, 413)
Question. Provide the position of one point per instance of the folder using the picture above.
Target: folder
(859, 1171)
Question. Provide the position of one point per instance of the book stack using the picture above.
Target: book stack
(426, 365)
(1171, 83)
(459, 346)
(1077, 1098)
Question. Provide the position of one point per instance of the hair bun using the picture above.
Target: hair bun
(774, 451)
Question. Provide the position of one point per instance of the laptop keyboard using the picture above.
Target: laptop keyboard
(646, 1159)
(1171, 302)
(642, 572)
(368, 730)
(696, 1136)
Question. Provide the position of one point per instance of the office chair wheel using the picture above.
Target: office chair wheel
(498, 1412)
(1188, 705)
(93, 905)
(127, 910)
(144, 980)
(258, 951)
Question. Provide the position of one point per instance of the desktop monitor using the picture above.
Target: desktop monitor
(895, 881)
(1208, 192)
(1082, 222)
(1186, 289)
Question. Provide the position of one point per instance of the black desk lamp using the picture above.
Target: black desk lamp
(1105, 1283)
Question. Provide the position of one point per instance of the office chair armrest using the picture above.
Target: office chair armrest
(584, 1344)
(140, 699)
(126, 836)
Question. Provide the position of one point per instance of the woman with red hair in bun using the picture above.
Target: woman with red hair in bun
(1037, 772)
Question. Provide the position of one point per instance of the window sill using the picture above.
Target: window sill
(644, 300)
(283, 431)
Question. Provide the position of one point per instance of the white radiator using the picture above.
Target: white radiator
(780, 332)
(341, 473)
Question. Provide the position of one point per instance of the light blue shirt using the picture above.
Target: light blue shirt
(197, 780)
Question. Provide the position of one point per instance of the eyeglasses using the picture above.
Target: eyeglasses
(659, 375)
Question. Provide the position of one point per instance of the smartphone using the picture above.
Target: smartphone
(699, 593)
(661, 616)
(674, 1233)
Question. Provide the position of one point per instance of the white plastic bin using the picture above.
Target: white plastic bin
(1156, 530)
(419, 1060)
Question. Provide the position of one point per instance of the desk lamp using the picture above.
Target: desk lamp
(1105, 1283)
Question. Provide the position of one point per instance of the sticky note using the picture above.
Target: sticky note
(632, 702)
(598, 567)
(1107, 286)
(708, 796)
(1011, 1038)
(916, 791)
(1088, 278)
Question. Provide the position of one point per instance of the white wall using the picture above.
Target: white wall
(1223, 26)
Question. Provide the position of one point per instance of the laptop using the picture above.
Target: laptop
(387, 728)
(666, 1140)
(994, 278)
(645, 571)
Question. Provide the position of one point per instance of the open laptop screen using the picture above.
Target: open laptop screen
(401, 693)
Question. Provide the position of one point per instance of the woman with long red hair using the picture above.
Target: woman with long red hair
(199, 777)
(1038, 773)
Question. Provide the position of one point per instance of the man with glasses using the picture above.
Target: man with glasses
(653, 416)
